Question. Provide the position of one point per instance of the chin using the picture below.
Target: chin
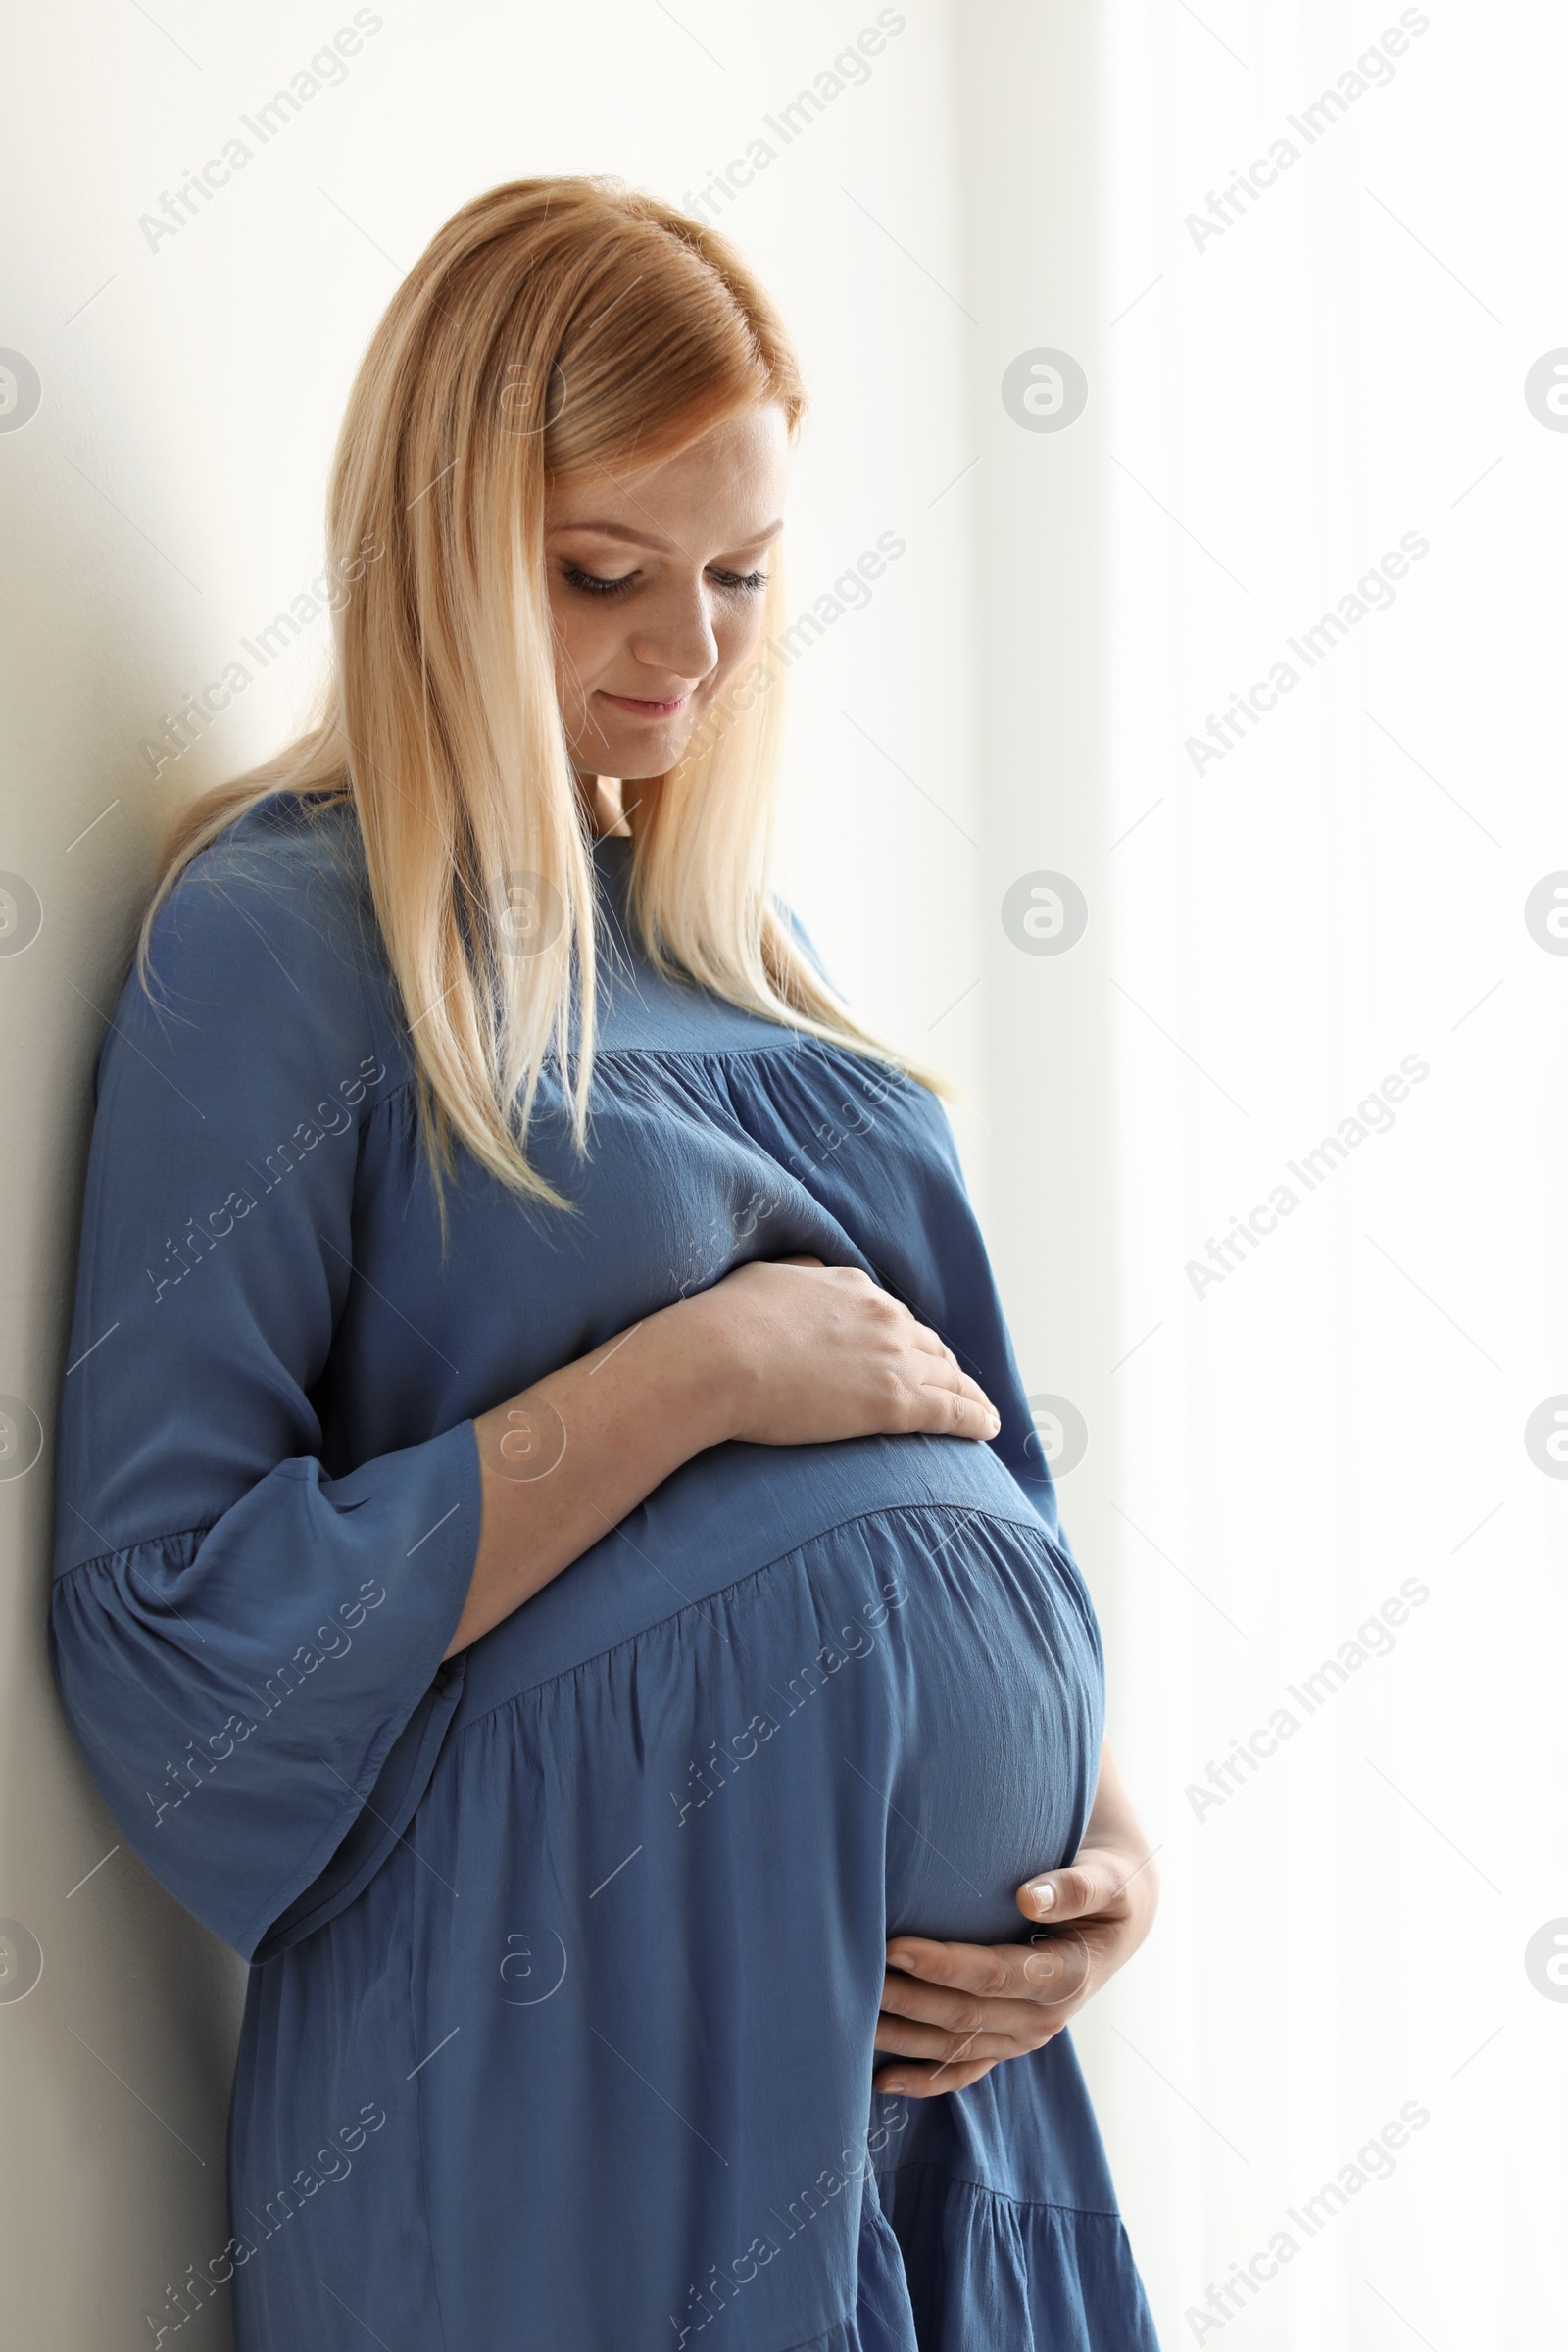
(654, 754)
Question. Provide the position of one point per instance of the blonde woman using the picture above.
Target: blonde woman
(550, 1562)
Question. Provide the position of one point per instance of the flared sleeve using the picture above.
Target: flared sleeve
(249, 1649)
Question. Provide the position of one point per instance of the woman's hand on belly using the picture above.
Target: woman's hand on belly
(819, 1353)
(953, 2011)
(791, 1353)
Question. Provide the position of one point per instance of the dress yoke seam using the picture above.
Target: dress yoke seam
(901, 1510)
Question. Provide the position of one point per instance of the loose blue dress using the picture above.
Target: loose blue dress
(566, 1951)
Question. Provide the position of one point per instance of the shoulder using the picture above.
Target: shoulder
(289, 873)
(268, 938)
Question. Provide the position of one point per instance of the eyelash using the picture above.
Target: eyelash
(590, 584)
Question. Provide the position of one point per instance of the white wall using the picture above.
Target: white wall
(163, 504)
(1346, 1931)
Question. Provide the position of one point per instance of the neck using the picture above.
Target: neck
(603, 805)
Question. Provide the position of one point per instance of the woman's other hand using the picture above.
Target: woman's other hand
(953, 2011)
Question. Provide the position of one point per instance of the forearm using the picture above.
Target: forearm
(565, 1461)
(1114, 1827)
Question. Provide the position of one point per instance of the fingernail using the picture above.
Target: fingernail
(895, 2090)
(1045, 1897)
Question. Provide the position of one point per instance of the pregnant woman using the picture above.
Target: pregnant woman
(552, 1565)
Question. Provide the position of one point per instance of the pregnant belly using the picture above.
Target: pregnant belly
(881, 1627)
(630, 1953)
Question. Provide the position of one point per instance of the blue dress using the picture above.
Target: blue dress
(566, 1951)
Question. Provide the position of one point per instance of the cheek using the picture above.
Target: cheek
(585, 637)
(737, 632)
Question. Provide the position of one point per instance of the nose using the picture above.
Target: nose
(674, 634)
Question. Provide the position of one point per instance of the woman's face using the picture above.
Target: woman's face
(655, 590)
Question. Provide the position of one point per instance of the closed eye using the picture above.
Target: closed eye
(591, 583)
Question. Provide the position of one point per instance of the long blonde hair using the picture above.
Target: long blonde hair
(552, 328)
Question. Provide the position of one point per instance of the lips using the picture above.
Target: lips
(641, 707)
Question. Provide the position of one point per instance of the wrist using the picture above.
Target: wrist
(1135, 1875)
(705, 1367)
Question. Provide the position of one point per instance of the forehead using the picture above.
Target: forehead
(726, 486)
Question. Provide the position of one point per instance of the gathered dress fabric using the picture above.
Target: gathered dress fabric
(566, 1952)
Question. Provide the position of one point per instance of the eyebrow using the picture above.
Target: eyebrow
(635, 538)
